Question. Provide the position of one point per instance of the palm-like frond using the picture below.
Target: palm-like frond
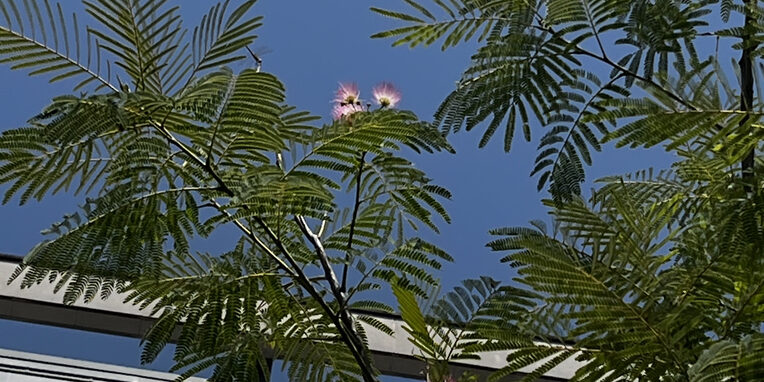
(411, 194)
(90, 247)
(45, 43)
(704, 117)
(728, 359)
(216, 43)
(385, 178)
(413, 260)
(513, 79)
(551, 63)
(36, 160)
(140, 34)
(465, 19)
(567, 146)
(150, 45)
(143, 40)
(234, 313)
(645, 280)
(661, 34)
(478, 316)
(586, 19)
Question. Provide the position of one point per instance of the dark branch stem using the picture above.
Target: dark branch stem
(594, 28)
(228, 95)
(356, 207)
(626, 72)
(581, 115)
(258, 60)
(141, 82)
(729, 325)
(341, 319)
(746, 84)
(637, 76)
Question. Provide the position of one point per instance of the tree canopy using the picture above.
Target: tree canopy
(652, 276)
(656, 275)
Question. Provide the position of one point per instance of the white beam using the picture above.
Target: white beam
(392, 355)
(19, 366)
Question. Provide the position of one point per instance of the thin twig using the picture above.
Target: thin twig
(356, 207)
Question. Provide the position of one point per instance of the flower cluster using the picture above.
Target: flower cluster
(348, 98)
(386, 95)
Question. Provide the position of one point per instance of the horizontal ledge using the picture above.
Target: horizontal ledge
(393, 355)
(16, 364)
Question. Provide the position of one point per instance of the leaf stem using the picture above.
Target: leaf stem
(746, 84)
(356, 207)
(62, 56)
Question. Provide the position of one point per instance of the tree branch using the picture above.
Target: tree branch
(323, 258)
(356, 207)
(746, 84)
(341, 319)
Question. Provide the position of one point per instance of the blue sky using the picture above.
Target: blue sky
(313, 45)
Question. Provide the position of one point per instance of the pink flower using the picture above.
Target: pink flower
(386, 95)
(348, 94)
(450, 378)
(343, 110)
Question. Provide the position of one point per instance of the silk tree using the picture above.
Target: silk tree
(167, 145)
(652, 276)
